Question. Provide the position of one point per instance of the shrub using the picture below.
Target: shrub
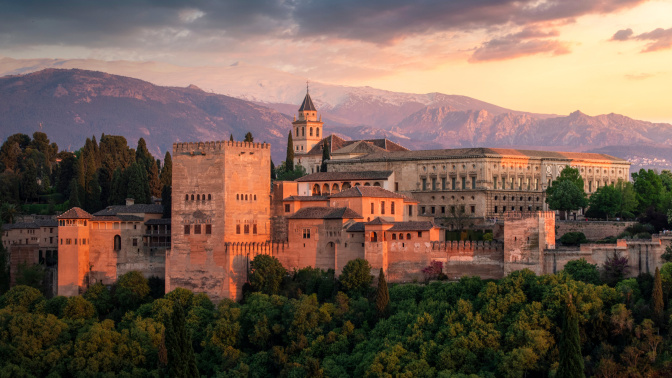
(573, 238)
(581, 270)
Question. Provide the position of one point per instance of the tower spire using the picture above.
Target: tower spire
(307, 88)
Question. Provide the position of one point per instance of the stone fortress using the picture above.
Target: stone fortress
(377, 201)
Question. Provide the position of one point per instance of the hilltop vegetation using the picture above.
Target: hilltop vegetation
(314, 325)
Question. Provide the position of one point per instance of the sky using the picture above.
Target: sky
(544, 56)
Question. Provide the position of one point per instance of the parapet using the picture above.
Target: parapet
(485, 246)
(204, 147)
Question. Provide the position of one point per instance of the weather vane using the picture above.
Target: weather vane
(307, 89)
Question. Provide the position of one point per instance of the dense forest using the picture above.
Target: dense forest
(310, 323)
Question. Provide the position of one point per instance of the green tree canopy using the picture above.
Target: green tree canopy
(356, 277)
(266, 274)
(565, 195)
(605, 202)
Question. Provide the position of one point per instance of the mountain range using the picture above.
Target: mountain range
(72, 104)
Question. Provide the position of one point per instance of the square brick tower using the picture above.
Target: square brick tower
(526, 236)
(220, 197)
(73, 252)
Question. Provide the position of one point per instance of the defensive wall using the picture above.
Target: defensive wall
(594, 230)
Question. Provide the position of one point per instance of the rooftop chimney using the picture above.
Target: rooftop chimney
(130, 202)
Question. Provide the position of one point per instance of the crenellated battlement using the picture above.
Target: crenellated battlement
(513, 215)
(192, 147)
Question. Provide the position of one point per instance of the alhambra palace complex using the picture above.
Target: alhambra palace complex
(378, 201)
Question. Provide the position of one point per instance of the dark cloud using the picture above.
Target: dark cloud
(622, 35)
(157, 23)
(659, 39)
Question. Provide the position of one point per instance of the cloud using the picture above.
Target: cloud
(659, 39)
(622, 35)
(529, 41)
(640, 76)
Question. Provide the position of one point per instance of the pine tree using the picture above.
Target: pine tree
(382, 296)
(154, 181)
(181, 360)
(167, 171)
(657, 303)
(326, 155)
(289, 161)
(571, 360)
(249, 138)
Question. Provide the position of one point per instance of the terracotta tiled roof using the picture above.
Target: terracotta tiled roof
(356, 227)
(138, 208)
(105, 218)
(24, 225)
(458, 153)
(306, 198)
(378, 221)
(75, 213)
(412, 226)
(326, 213)
(336, 144)
(345, 176)
(47, 222)
(130, 218)
(359, 147)
(367, 191)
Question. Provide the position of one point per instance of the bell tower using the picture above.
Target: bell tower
(307, 129)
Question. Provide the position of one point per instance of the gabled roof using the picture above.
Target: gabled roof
(307, 104)
(345, 176)
(412, 226)
(356, 227)
(359, 147)
(75, 213)
(378, 221)
(336, 144)
(367, 191)
(138, 208)
(326, 213)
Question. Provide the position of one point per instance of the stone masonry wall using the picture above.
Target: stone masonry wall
(592, 230)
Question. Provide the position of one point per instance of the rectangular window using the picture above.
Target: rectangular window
(197, 229)
(443, 209)
(464, 182)
(433, 210)
(135, 242)
(61, 241)
(246, 229)
(473, 182)
(238, 229)
(392, 207)
(527, 183)
(536, 184)
(422, 210)
(382, 207)
(419, 234)
(511, 182)
(590, 186)
(254, 229)
(306, 233)
(51, 230)
(287, 208)
(208, 229)
(503, 182)
(494, 182)
(433, 183)
(473, 209)
(424, 184)
(396, 186)
(371, 207)
(75, 241)
(443, 183)
(452, 183)
(495, 209)
(187, 229)
(410, 210)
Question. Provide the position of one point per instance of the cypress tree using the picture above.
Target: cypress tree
(289, 161)
(382, 296)
(231, 137)
(117, 189)
(273, 177)
(167, 171)
(93, 202)
(74, 193)
(571, 360)
(657, 303)
(153, 179)
(138, 186)
(142, 154)
(326, 155)
(181, 358)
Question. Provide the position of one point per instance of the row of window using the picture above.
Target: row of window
(382, 207)
(246, 197)
(513, 208)
(68, 241)
(517, 184)
(197, 197)
(374, 236)
(246, 229)
(434, 184)
(197, 229)
(72, 222)
(513, 198)
(303, 132)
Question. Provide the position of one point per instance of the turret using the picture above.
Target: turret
(73, 252)
(307, 129)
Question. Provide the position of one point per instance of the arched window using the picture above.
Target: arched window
(254, 229)
(297, 131)
(401, 236)
(192, 197)
(311, 131)
(209, 197)
(316, 190)
(117, 243)
(186, 197)
(237, 196)
(374, 237)
(303, 131)
(325, 189)
(246, 197)
(367, 184)
(317, 132)
(237, 229)
(334, 188)
(198, 197)
(203, 197)
(408, 236)
(255, 197)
